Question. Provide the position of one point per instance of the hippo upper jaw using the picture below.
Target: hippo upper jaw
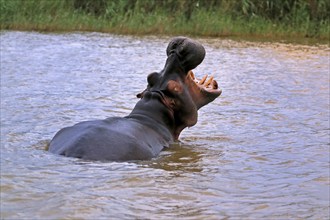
(189, 52)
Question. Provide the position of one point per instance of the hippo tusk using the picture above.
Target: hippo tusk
(191, 74)
(201, 82)
(209, 81)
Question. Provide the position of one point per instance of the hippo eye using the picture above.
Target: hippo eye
(174, 87)
(153, 78)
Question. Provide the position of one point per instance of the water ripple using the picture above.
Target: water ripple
(260, 151)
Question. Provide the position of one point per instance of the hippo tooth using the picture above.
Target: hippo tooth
(191, 74)
(201, 82)
(208, 82)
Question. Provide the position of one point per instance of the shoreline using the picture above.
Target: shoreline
(224, 19)
(237, 37)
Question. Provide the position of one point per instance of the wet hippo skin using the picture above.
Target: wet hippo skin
(167, 106)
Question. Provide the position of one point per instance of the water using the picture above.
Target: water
(260, 151)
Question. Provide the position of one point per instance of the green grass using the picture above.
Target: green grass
(167, 17)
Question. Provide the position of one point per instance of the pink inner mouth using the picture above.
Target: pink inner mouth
(208, 84)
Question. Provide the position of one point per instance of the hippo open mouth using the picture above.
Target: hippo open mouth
(169, 103)
(205, 84)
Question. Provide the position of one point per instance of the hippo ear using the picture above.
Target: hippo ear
(140, 95)
(190, 52)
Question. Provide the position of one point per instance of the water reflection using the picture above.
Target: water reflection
(179, 157)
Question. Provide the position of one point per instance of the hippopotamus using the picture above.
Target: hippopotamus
(168, 105)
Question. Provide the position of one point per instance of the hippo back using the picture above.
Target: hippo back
(115, 139)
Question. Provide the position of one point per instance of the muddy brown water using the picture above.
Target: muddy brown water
(260, 151)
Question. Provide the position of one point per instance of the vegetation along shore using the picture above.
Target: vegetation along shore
(271, 19)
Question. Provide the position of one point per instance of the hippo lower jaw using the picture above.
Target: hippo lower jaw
(204, 90)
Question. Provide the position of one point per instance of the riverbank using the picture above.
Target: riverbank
(160, 18)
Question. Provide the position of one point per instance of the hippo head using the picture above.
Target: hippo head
(177, 89)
